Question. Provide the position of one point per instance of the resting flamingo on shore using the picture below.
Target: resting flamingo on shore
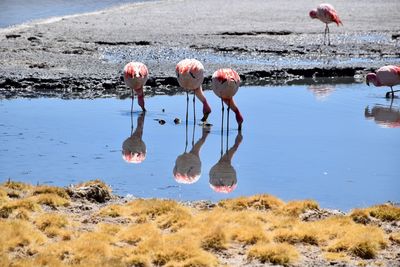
(385, 76)
(190, 75)
(225, 83)
(135, 77)
(327, 14)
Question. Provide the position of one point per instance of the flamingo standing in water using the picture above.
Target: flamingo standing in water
(190, 75)
(385, 76)
(327, 14)
(225, 83)
(135, 77)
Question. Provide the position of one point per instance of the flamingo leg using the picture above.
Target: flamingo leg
(131, 121)
(390, 93)
(132, 97)
(194, 108)
(187, 106)
(329, 35)
(222, 128)
(187, 115)
(326, 30)
(227, 123)
(193, 134)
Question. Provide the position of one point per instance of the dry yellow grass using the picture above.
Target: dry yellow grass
(164, 232)
(51, 200)
(280, 253)
(336, 256)
(44, 189)
(18, 233)
(258, 202)
(12, 206)
(295, 208)
(360, 216)
(385, 212)
(359, 240)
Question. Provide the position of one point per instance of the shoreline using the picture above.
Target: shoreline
(86, 52)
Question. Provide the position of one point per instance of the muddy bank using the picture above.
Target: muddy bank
(266, 42)
(86, 88)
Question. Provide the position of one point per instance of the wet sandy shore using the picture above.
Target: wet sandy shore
(266, 41)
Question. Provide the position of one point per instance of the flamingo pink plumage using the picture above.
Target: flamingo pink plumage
(135, 77)
(225, 83)
(190, 75)
(385, 76)
(327, 14)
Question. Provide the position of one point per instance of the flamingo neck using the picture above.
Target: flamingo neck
(232, 105)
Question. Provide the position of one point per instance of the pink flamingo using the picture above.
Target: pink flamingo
(327, 14)
(135, 77)
(385, 76)
(190, 74)
(225, 83)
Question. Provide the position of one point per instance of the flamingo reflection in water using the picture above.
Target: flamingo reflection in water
(222, 175)
(133, 148)
(187, 169)
(384, 116)
(321, 91)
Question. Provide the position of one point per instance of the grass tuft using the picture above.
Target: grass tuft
(385, 212)
(25, 204)
(18, 233)
(19, 186)
(300, 233)
(280, 253)
(361, 241)
(295, 208)
(336, 256)
(215, 239)
(48, 220)
(138, 261)
(360, 216)
(51, 200)
(258, 202)
(44, 189)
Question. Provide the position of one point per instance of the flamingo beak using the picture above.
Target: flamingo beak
(367, 82)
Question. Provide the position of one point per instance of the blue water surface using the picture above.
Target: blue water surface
(335, 143)
(14, 12)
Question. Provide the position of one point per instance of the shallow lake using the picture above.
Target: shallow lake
(335, 143)
(19, 11)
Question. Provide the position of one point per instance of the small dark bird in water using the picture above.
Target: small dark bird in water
(177, 121)
(162, 122)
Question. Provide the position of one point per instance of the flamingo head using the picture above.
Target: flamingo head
(371, 78)
(187, 169)
(239, 119)
(133, 157)
(313, 14)
(223, 177)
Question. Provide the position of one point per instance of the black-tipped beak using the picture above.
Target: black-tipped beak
(367, 82)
